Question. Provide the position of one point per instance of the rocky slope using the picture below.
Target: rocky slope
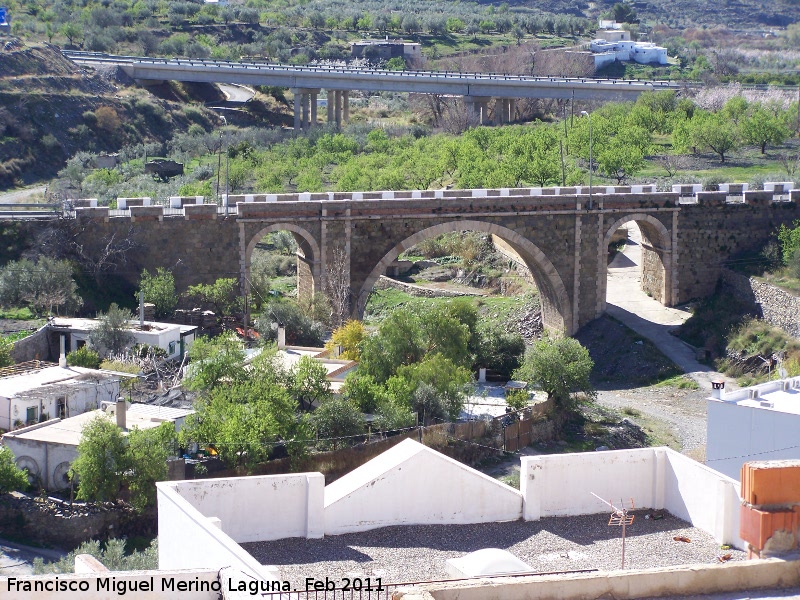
(50, 109)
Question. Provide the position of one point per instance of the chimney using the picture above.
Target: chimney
(281, 336)
(62, 357)
(121, 413)
(716, 389)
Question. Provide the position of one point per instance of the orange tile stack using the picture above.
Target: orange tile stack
(770, 506)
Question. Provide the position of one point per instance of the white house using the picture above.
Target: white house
(47, 449)
(760, 422)
(52, 391)
(173, 338)
(627, 50)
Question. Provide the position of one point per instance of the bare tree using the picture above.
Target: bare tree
(790, 162)
(672, 163)
(336, 284)
(432, 106)
(95, 248)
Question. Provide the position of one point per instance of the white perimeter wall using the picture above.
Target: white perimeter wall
(189, 540)
(707, 499)
(256, 509)
(417, 486)
(737, 434)
(47, 456)
(562, 485)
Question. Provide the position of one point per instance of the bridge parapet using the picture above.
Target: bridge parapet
(147, 213)
(181, 201)
(411, 202)
(200, 212)
(99, 213)
(126, 203)
(759, 198)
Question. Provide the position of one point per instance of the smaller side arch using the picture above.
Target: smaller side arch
(309, 253)
(556, 305)
(659, 240)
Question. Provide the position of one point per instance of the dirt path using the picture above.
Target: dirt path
(649, 318)
(31, 194)
(16, 560)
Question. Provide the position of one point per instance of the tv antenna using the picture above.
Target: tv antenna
(619, 518)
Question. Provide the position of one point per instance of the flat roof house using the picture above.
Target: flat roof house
(173, 338)
(39, 390)
(761, 422)
(47, 449)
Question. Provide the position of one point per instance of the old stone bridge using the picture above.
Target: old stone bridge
(562, 235)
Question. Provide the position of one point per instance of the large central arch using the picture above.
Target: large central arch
(308, 258)
(556, 305)
(659, 279)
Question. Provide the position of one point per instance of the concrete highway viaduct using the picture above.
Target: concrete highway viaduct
(562, 235)
(477, 89)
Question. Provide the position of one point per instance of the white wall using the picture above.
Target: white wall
(189, 540)
(736, 434)
(253, 509)
(412, 484)
(80, 397)
(562, 484)
(47, 456)
(707, 499)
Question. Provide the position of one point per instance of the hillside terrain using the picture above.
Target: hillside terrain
(739, 14)
(50, 109)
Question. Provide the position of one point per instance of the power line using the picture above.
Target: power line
(754, 454)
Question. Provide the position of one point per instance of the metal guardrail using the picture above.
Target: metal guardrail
(29, 211)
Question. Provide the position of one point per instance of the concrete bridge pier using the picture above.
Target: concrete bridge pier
(339, 106)
(504, 109)
(478, 106)
(305, 107)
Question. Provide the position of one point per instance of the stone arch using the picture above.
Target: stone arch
(556, 305)
(308, 257)
(658, 272)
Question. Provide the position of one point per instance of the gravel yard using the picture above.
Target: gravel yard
(684, 411)
(418, 552)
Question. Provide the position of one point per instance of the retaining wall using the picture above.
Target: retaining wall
(776, 306)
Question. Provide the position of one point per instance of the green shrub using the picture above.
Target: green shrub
(84, 357)
(756, 337)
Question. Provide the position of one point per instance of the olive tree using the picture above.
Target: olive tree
(561, 366)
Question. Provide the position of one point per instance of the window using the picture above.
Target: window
(79, 344)
(171, 348)
(32, 415)
(61, 408)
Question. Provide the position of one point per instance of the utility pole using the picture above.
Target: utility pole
(591, 149)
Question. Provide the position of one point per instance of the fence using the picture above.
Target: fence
(517, 435)
(534, 425)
